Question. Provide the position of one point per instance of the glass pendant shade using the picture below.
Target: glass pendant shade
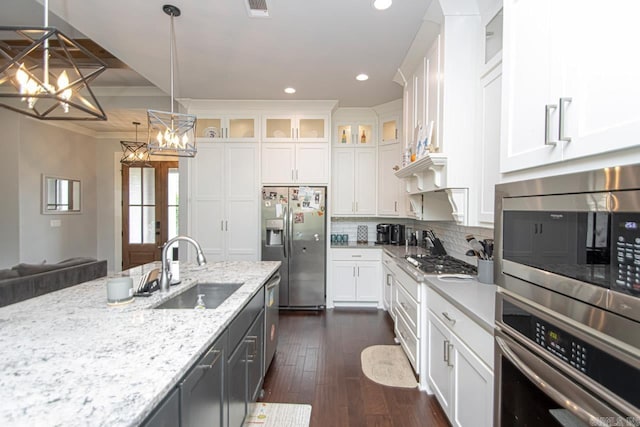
(45, 74)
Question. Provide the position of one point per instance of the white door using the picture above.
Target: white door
(207, 206)
(389, 186)
(278, 161)
(473, 388)
(527, 86)
(312, 163)
(342, 185)
(365, 181)
(344, 281)
(368, 281)
(439, 371)
(599, 72)
(242, 197)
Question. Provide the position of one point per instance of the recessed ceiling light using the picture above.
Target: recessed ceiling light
(362, 77)
(290, 90)
(382, 4)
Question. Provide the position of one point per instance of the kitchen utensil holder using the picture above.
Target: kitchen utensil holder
(485, 271)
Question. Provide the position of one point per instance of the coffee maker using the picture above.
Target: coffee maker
(383, 234)
(396, 236)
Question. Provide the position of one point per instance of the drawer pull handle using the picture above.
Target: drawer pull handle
(446, 316)
(218, 353)
(356, 256)
(445, 351)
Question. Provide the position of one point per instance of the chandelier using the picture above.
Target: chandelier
(135, 153)
(45, 74)
(170, 133)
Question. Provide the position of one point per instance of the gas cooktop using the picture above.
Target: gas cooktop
(440, 264)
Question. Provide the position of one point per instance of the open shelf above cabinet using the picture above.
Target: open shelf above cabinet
(425, 174)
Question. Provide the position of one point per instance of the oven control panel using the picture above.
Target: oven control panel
(569, 350)
(594, 361)
(626, 252)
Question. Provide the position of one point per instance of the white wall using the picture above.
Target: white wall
(51, 150)
(9, 191)
(108, 206)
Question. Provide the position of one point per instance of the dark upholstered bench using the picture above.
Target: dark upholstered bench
(25, 281)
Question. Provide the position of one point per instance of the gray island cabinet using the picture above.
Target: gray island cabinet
(134, 365)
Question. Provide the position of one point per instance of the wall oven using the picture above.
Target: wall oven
(567, 338)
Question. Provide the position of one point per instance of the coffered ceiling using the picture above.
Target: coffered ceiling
(317, 47)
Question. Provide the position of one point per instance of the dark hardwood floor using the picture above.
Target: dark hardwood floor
(318, 363)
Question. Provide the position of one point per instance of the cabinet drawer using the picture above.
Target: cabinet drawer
(356, 254)
(469, 332)
(408, 308)
(408, 341)
(240, 325)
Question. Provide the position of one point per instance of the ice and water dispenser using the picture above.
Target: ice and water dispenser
(275, 230)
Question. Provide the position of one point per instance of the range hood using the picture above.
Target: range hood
(426, 185)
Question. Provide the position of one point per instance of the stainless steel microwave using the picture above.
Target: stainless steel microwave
(578, 235)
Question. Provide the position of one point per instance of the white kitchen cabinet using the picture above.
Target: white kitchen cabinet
(354, 133)
(390, 128)
(388, 284)
(355, 278)
(439, 369)
(295, 163)
(230, 127)
(295, 127)
(568, 91)
(354, 181)
(489, 144)
(459, 364)
(224, 205)
(472, 396)
(391, 196)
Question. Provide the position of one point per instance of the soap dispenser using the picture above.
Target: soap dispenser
(200, 303)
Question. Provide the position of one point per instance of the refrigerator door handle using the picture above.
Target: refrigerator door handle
(286, 233)
(290, 221)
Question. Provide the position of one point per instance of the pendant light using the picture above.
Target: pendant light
(135, 153)
(45, 74)
(170, 133)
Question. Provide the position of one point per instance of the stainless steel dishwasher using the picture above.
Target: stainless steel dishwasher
(271, 324)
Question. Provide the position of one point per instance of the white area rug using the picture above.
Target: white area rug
(278, 415)
(388, 365)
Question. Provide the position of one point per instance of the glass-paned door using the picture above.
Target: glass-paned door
(150, 199)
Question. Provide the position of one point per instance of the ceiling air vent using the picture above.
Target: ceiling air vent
(257, 8)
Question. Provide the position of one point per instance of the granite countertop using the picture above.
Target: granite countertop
(68, 359)
(397, 251)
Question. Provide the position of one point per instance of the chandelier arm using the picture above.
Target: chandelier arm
(26, 51)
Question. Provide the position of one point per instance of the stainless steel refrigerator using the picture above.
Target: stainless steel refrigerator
(294, 224)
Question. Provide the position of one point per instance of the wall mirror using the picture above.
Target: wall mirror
(60, 195)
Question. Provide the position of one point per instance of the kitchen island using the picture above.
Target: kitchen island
(68, 359)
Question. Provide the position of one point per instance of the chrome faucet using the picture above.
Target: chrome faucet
(165, 276)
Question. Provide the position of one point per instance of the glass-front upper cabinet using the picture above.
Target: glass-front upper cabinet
(240, 128)
(301, 127)
(390, 129)
(493, 38)
(361, 133)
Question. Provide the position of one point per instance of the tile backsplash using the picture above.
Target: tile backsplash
(452, 235)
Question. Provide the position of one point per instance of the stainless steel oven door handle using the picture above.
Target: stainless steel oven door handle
(581, 404)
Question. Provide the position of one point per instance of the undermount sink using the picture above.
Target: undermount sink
(214, 294)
